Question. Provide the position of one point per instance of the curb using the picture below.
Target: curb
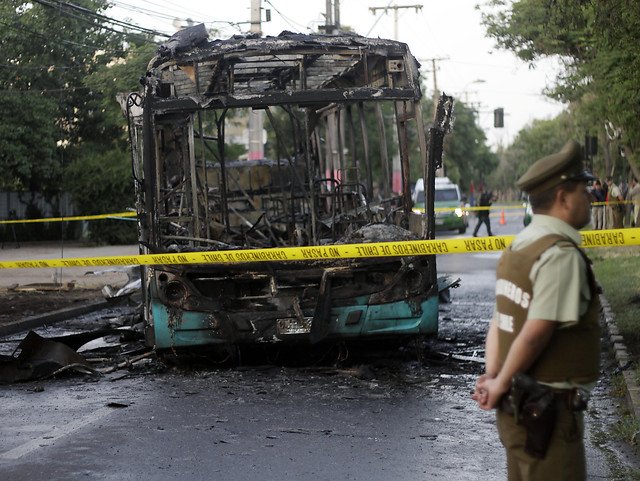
(632, 390)
(50, 317)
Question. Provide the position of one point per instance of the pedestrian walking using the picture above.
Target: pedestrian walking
(597, 206)
(615, 205)
(543, 343)
(486, 199)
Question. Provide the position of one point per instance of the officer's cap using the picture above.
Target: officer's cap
(554, 169)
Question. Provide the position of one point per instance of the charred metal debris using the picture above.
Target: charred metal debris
(331, 103)
(92, 353)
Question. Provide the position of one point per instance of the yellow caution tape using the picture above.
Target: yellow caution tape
(118, 215)
(469, 208)
(75, 217)
(598, 238)
(613, 202)
(496, 207)
(484, 207)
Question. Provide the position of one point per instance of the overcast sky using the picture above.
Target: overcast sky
(470, 67)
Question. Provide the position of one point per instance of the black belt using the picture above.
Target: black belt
(574, 400)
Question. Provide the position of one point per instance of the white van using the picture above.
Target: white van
(449, 206)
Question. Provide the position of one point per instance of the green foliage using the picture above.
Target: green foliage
(540, 138)
(100, 183)
(53, 51)
(597, 43)
(62, 72)
(467, 156)
(107, 124)
(621, 286)
(539, 28)
(28, 157)
(290, 126)
(235, 121)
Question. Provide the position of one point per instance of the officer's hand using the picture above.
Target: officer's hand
(479, 394)
(491, 391)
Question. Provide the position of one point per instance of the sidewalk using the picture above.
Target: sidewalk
(53, 250)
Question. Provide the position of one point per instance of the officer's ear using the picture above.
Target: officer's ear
(561, 197)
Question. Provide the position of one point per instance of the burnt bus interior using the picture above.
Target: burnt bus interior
(330, 104)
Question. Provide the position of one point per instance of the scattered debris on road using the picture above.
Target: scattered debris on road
(38, 358)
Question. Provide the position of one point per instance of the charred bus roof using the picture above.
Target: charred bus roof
(191, 72)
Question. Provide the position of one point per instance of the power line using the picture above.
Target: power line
(170, 7)
(43, 67)
(286, 19)
(55, 4)
(109, 19)
(379, 17)
(40, 35)
(40, 91)
(142, 10)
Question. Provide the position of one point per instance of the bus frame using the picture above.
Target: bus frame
(325, 187)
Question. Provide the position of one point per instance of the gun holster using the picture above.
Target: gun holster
(534, 407)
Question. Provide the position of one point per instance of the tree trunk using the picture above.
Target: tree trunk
(607, 158)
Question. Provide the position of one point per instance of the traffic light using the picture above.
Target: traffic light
(498, 117)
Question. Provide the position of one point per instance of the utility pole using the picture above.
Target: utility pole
(395, 9)
(332, 17)
(396, 180)
(434, 68)
(256, 26)
(256, 145)
(334, 121)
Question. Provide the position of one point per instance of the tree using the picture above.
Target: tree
(62, 69)
(102, 184)
(105, 123)
(28, 153)
(99, 174)
(597, 43)
(537, 140)
(467, 157)
(46, 53)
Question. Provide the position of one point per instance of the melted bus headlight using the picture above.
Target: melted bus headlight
(175, 292)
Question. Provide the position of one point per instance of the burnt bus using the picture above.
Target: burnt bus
(329, 105)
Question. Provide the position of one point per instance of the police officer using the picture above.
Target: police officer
(545, 323)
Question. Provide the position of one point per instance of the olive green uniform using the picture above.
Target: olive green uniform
(543, 275)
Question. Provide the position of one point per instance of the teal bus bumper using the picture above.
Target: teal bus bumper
(175, 328)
